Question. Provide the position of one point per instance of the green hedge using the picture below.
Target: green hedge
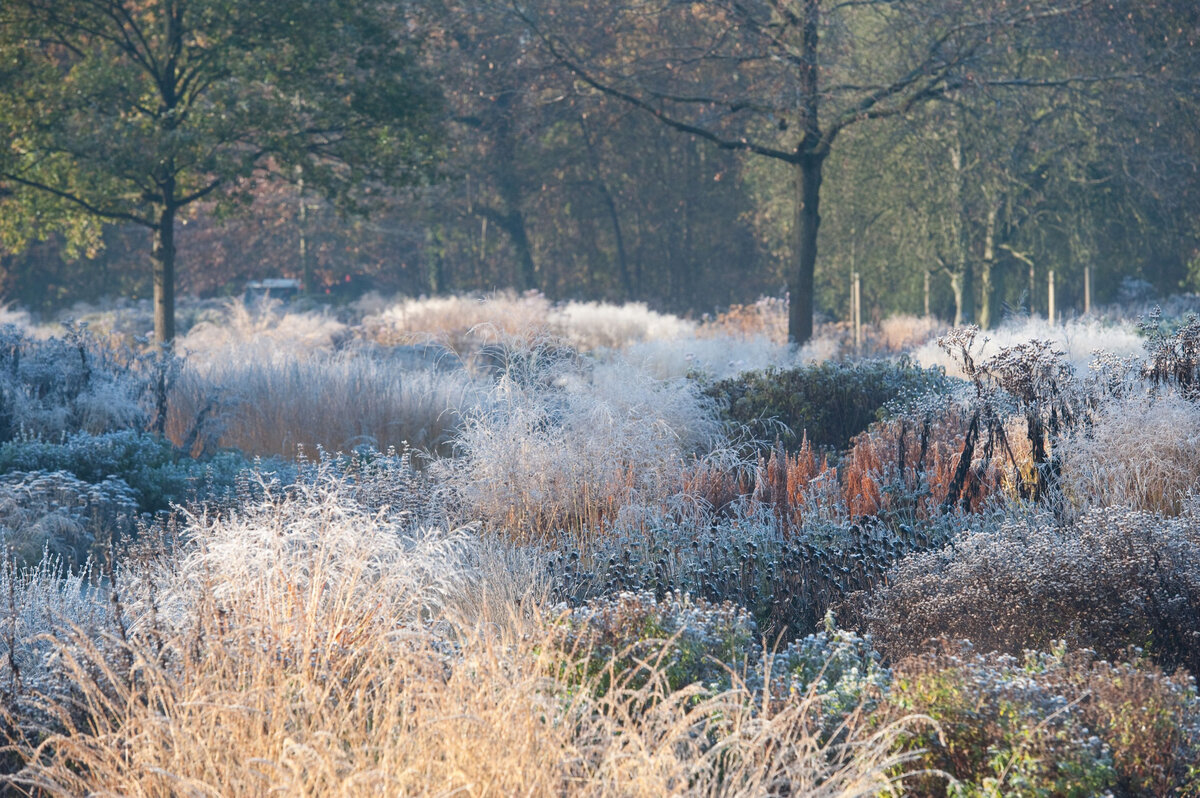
(831, 402)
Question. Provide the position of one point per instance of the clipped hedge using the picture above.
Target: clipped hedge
(829, 402)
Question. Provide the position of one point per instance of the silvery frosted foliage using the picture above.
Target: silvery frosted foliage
(156, 472)
(56, 386)
(55, 512)
(37, 601)
(836, 665)
(1009, 726)
(1173, 356)
(690, 640)
(560, 435)
(379, 482)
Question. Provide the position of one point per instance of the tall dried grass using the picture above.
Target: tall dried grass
(264, 331)
(464, 323)
(307, 647)
(1140, 451)
(335, 401)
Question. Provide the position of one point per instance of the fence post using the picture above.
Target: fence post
(1050, 301)
(856, 311)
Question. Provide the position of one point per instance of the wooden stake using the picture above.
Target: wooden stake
(856, 308)
(1050, 301)
(1087, 290)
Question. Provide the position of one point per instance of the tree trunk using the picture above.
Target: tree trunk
(515, 227)
(807, 222)
(962, 283)
(162, 255)
(986, 286)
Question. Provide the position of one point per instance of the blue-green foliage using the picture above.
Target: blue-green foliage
(152, 468)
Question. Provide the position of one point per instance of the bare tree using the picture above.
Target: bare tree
(782, 79)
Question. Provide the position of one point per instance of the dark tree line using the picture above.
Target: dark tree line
(690, 155)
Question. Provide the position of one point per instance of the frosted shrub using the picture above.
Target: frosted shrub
(50, 387)
(564, 442)
(150, 468)
(634, 636)
(1114, 579)
(1140, 451)
(631, 637)
(787, 578)
(837, 666)
(1050, 723)
(827, 404)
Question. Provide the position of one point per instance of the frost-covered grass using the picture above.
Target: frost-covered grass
(588, 583)
(464, 321)
(335, 401)
(262, 332)
(567, 443)
(306, 646)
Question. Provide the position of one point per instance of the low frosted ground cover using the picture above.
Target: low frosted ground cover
(588, 578)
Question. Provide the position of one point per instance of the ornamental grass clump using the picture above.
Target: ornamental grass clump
(1140, 451)
(563, 443)
(335, 401)
(308, 646)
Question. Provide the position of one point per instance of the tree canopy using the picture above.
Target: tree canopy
(133, 110)
(689, 155)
